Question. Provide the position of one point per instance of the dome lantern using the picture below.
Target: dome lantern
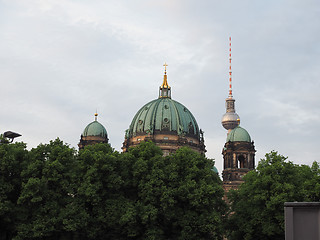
(165, 90)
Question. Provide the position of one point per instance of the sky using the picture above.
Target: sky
(63, 60)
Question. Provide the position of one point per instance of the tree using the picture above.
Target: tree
(99, 193)
(258, 205)
(13, 158)
(47, 191)
(53, 192)
(312, 184)
(143, 195)
(177, 197)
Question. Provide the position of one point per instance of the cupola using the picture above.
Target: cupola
(93, 133)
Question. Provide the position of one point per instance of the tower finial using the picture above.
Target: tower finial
(230, 72)
(165, 68)
(96, 116)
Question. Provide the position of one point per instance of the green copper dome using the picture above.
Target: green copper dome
(163, 115)
(239, 134)
(166, 122)
(95, 129)
(215, 170)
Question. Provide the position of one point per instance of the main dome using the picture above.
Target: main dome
(166, 122)
(164, 115)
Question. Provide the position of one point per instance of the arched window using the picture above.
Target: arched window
(241, 161)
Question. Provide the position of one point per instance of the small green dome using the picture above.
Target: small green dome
(215, 170)
(239, 134)
(163, 115)
(95, 129)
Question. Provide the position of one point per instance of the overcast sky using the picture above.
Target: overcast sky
(60, 60)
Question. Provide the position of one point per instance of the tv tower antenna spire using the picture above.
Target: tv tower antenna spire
(230, 119)
(230, 72)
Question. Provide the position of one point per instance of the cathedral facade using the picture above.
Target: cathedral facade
(170, 125)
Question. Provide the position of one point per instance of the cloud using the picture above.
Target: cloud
(61, 60)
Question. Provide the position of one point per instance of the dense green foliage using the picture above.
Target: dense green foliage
(258, 205)
(54, 192)
(13, 159)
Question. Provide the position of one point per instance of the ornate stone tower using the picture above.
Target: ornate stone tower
(238, 158)
(238, 152)
(166, 122)
(94, 132)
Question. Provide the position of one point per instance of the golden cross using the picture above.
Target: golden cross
(165, 66)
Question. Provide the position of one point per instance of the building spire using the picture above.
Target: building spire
(165, 90)
(96, 116)
(230, 72)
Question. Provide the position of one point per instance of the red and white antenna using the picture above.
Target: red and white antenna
(230, 72)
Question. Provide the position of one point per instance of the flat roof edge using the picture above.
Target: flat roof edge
(302, 204)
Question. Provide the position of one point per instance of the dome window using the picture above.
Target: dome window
(165, 127)
(166, 120)
(140, 122)
(191, 129)
(166, 106)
